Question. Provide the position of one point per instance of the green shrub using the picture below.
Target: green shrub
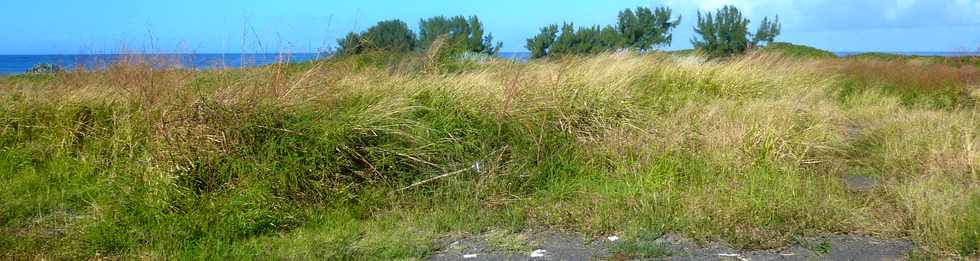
(797, 51)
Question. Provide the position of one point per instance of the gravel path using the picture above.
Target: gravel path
(565, 246)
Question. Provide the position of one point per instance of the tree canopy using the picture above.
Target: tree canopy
(639, 29)
(644, 29)
(767, 32)
(390, 35)
(540, 44)
(726, 32)
(462, 35)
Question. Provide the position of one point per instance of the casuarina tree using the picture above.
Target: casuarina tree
(540, 44)
(767, 32)
(390, 36)
(640, 29)
(643, 28)
(726, 32)
(461, 34)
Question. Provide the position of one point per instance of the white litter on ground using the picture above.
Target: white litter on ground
(469, 256)
(613, 238)
(476, 167)
(737, 256)
(539, 253)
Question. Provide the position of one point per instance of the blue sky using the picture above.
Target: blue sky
(101, 26)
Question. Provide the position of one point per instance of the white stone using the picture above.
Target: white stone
(539, 253)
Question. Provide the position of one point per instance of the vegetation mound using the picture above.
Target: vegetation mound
(797, 51)
(378, 157)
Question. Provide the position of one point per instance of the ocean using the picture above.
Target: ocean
(16, 64)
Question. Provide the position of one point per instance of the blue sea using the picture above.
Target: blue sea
(16, 64)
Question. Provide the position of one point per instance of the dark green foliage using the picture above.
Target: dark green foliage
(726, 32)
(609, 36)
(566, 40)
(462, 34)
(587, 40)
(351, 44)
(540, 44)
(723, 33)
(767, 32)
(393, 36)
(388, 36)
(642, 30)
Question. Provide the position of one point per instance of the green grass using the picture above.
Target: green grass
(643, 245)
(508, 241)
(967, 60)
(797, 51)
(308, 161)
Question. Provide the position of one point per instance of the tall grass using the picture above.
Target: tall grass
(310, 160)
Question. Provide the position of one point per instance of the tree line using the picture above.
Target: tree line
(640, 29)
(721, 33)
(459, 34)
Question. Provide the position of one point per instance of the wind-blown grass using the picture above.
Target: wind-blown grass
(306, 160)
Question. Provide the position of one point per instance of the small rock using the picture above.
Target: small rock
(468, 256)
(613, 238)
(860, 183)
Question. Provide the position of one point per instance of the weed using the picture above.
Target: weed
(508, 241)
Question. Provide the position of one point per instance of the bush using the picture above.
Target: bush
(458, 34)
(45, 68)
(462, 34)
(798, 51)
(389, 36)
